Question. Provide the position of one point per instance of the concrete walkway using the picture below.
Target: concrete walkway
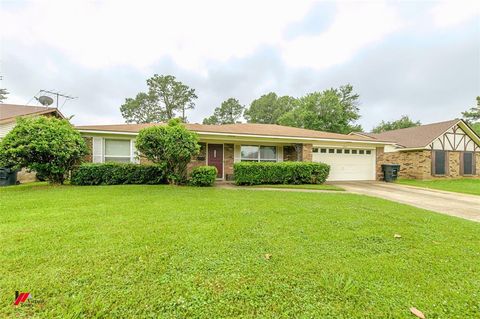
(455, 204)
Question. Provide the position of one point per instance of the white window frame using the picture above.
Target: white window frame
(131, 157)
(269, 160)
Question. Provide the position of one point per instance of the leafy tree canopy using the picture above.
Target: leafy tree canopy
(3, 95)
(269, 108)
(333, 110)
(403, 122)
(229, 112)
(473, 114)
(165, 98)
(49, 146)
(171, 145)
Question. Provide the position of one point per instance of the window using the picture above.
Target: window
(368, 152)
(468, 166)
(439, 162)
(346, 151)
(314, 150)
(354, 151)
(251, 153)
(323, 150)
(361, 152)
(331, 150)
(339, 151)
(117, 151)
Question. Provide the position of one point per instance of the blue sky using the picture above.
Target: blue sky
(416, 58)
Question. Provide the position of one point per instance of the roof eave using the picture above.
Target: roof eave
(277, 137)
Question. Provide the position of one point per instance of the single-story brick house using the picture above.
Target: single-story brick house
(350, 157)
(8, 119)
(445, 149)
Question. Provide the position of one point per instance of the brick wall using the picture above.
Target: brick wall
(307, 152)
(418, 164)
(289, 153)
(89, 142)
(413, 164)
(229, 160)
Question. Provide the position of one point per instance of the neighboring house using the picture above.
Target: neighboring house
(10, 112)
(445, 149)
(350, 157)
(8, 118)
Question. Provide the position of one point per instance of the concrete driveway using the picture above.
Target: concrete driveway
(455, 204)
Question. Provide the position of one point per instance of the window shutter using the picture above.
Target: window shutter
(135, 158)
(280, 153)
(97, 151)
(474, 163)
(237, 155)
(433, 163)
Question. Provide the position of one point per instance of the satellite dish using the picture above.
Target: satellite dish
(45, 100)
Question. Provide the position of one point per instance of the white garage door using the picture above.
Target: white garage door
(347, 164)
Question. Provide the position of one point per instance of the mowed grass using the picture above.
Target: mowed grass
(322, 187)
(464, 185)
(177, 252)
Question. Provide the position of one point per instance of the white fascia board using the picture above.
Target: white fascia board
(246, 136)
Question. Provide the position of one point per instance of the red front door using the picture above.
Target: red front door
(215, 157)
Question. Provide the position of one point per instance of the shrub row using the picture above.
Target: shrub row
(118, 173)
(253, 173)
(203, 176)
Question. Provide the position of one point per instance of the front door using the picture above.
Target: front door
(215, 157)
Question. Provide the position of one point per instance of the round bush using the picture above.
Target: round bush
(203, 176)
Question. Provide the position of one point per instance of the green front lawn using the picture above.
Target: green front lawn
(465, 185)
(176, 252)
(322, 187)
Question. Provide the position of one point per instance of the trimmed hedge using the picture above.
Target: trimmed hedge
(203, 176)
(256, 173)
(118, 173)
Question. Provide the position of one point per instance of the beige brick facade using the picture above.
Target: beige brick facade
(89, 142)
(418, 164)
(307, 152)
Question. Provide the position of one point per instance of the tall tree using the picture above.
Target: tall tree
(472, 116)
(229, 112)
(166, 96)
(142, 109)
(3, 95)
(173, 94)
(333, 110)
(403, 122)
(269, 108)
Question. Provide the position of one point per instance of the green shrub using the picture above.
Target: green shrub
(171, 145)
(203, 176)
(118, 173)
(253, 173)
(47, 145)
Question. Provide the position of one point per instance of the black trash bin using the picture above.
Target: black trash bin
(8, 176)
(390, 172)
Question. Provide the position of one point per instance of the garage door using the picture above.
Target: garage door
(347, 164)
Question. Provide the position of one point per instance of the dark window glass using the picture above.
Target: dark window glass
(362, 152)
(331, 150)
(347, 151)
(339, 150)
(468, 163)
(440, 162)
(314, 150)
(354, 151)
(369, 152)
(323, 150)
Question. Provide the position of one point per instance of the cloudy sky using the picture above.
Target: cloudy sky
(416, 58)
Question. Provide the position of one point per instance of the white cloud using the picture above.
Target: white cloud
(139, 33)
(356, 25)
(450, 13)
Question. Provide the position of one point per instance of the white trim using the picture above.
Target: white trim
(255, 136)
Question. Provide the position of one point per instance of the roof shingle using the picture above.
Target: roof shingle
(12, 111)
(234, 129)
(418, 136)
